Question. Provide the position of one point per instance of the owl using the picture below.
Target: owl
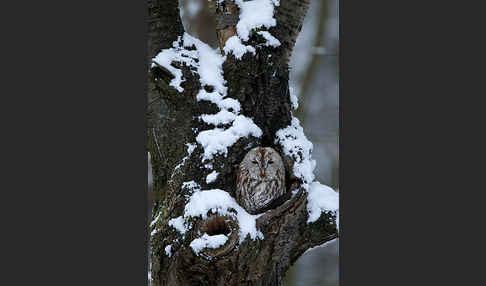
(260, 179)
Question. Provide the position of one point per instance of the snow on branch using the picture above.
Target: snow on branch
(321, 198)
(208, 241)
(255, 14)
(210, 69)
(218, 140)
(175, 54)
(234, 45)
(271, 40)
(208, 63)
(222, 203)
(190, 149)
(295, 144)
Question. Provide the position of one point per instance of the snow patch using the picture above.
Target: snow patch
(234, 45)
(295, 144)
(175, 54)
(220, 202)
(168, 250)
(217, 141)
(178, 224)
(190, 149)
(208, 241)
(222, 117)
(216, 98)
(208, 166)
(320, 199)
(210, 71)
(191, 185)
(210, 66)
(271, 40)
(255, 14)
(155, 220)
(211, 177)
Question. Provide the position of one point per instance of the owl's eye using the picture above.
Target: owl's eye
(254, 162)
(270, 162)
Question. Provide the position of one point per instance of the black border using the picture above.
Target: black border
(76, 158)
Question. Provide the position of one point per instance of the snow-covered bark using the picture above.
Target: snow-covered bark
(207, 108)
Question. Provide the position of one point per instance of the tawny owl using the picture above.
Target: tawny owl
(260, 180)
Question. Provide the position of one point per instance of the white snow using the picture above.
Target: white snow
(190, 149)
(208, 241)
(293, 99)
(168, 250)
(271, 40)
(210, 67)
(321, 198)
(222, 117)
(210, 71)
(208, 166)
(178, 224)
(191, 185)
(217, 141)
(216, 98)
(255, 14)
(295, 144)
(219, 201)
(211, 177)
(175, 54)
(235, 46)
(155, 220)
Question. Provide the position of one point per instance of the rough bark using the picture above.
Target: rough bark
(260, 83)
(162, 32)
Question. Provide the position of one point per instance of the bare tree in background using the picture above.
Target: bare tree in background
(260, 82)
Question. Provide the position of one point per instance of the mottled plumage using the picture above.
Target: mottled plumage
(261, 179)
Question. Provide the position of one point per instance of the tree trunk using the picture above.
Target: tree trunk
(259, 82)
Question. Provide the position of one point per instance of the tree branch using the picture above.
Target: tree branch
(290, 17)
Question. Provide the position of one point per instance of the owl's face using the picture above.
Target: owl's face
(263, 163)
(261, 179)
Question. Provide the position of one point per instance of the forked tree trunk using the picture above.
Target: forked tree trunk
(260, 83)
